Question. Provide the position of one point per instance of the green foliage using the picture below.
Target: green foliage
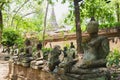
(28, 18)
(46, 51)
(67, 45)
(11, 37)
(113, 59)
(4, 1)
(117, 24)
(102, 11)
(102, 26)
(20, 41)
(109, 25)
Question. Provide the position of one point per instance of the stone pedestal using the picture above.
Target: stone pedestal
(18, 72)
(25, 64)
(37, 64)
(26, 61)
(90, 74)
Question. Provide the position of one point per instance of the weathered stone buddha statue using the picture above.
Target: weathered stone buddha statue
(53, 57)
(68, 60)
(96, 48)
(39, 53)
(93, 64)
(27, 56)
(39, 61)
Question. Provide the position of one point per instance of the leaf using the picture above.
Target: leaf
(63, 1)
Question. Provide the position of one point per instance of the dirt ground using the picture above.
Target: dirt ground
(3, 68)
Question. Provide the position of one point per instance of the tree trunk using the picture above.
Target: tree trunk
(45, 19)
(78, 29)
(1, 25)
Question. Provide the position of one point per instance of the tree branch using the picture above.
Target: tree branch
(18, 11)
(23, 17)
(28, 14)
(45, 19)
(2, 5)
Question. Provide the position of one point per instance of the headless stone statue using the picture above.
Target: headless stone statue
(68, 60)
(54, 57)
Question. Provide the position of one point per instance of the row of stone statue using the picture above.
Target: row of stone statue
(56, 56)
(96, 49)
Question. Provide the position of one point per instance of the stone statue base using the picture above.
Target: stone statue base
(37, 64)
(18, 62)
(90, 74)
(26, 61)
(25, 64)
(24, 73)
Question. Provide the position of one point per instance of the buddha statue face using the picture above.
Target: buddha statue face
(92, 27)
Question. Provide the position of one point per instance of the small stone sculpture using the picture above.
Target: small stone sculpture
(72, 45)
(27, 57)
(69, 59)
(38, 62)
(39, 53)
(54, 57)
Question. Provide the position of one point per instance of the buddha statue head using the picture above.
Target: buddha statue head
(92, 26)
